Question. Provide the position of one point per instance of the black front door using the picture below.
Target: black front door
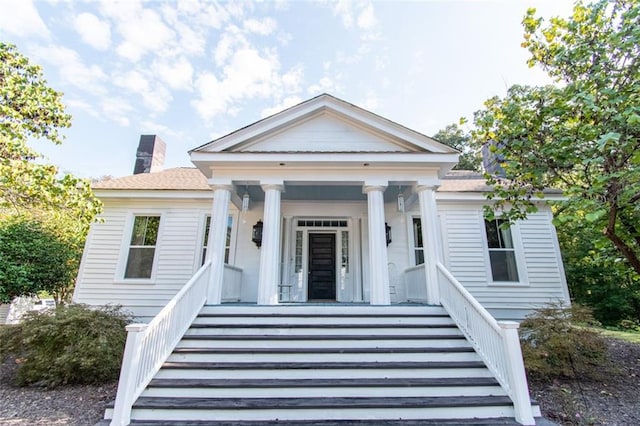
(322, 267)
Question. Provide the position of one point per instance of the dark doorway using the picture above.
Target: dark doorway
(322, 267)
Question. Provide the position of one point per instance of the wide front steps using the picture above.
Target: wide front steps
(323, 365)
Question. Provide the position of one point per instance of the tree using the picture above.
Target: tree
(35, 257)
(30, 110)
(581, 135)
(453, 136)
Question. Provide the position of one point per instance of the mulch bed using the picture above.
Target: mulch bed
(613, 399)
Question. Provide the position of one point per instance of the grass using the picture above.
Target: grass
(627, 336)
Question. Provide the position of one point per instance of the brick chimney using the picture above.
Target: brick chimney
(150, 154)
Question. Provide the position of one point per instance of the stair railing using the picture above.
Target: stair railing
(149, 345)
(497, 343)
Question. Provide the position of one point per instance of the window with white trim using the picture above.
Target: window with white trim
(142, 247)
(418, 247)
(227, 244)
(502, 252)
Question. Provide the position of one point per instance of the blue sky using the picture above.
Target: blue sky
(192, 70)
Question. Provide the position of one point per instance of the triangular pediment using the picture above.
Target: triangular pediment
(325, 124)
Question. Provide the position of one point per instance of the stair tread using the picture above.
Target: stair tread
(323, 326)
(269, 383)
(249, 351)
(322, 315)
(323, 337)
(323, 402)
(321, 365)
(377, 422)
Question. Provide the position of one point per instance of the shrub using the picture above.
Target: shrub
(557, 342)
(35, 257)
(71, 344)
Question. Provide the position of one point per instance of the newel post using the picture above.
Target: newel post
(128, 375)
(517, 375)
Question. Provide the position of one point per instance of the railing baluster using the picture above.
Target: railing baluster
(148, 346)
(497, 344)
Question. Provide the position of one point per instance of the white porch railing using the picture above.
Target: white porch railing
(149, 345)
(497, 343)
(232, 282)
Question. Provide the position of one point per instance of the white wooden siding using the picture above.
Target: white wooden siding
(324, 133)
(466, 257)
(100, 281)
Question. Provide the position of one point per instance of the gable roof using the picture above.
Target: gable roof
(326, 104)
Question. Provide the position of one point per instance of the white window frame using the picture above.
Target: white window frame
(197, 264)
(126, 245)
(518, 251)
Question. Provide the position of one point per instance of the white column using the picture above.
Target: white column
(378, 263)
(217, 240)
(430, 240)
(270, 250)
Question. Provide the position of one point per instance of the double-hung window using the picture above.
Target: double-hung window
(142, 247)
(227, 244)
(502, 252)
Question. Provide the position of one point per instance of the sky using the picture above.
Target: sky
(193, 70)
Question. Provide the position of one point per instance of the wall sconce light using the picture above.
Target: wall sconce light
(256, 235)
(245, 201)
(387, 232)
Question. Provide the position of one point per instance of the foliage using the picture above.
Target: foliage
(35, 257)
(597, 274)
(30, 110)
(582, 135)
(71, 344)
(453, 136)
(556, 343)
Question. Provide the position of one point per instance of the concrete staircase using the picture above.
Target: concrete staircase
(323, 365)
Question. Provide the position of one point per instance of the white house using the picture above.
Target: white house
(321, 236)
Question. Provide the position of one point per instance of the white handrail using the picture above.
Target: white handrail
(149, 346)
(497, 343)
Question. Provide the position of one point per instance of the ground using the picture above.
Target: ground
(613, 401)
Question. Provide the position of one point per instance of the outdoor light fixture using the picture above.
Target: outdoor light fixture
(245, 202)
(400, 200)
(387, 232)
(256, 235)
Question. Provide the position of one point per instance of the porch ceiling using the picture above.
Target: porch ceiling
(320, 192)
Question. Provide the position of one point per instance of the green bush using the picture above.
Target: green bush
(557, 342)
(71, 344)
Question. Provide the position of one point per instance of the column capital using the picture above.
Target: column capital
(426, 187)
(369, 188)
(277, 186)
(215, 186)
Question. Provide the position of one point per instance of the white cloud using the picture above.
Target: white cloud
(324, 85)
(117, 110)
(287, 102)
(177, 74)
(72, 69)
(21, 18)
(152, 127)
(142, 30)
(367, 18)
(371, 102)
(154, 96)
(263, 27)
(248, 74)
(292, 79)
(232, 39)
(93, 31)
(342, 8)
